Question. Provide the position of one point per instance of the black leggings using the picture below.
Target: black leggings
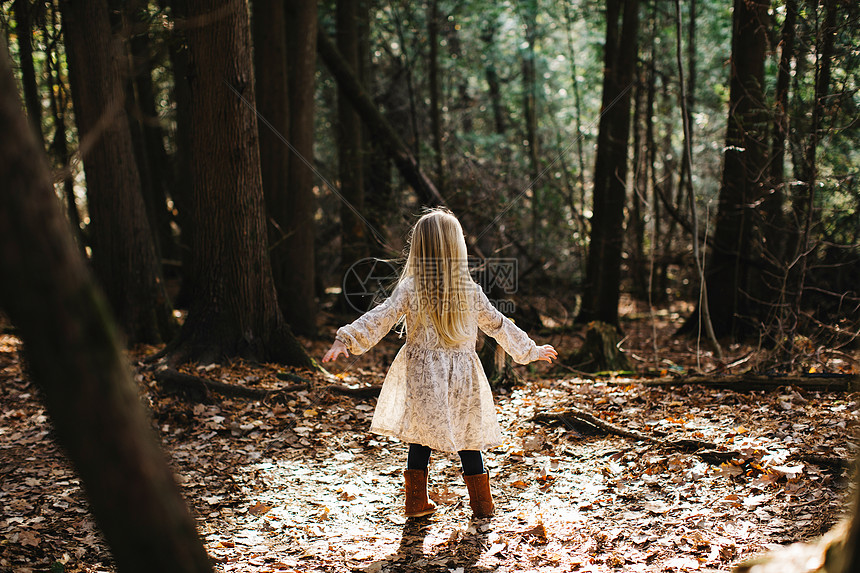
(419, 459)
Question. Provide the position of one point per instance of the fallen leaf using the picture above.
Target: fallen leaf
(259, 509)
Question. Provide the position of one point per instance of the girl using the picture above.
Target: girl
(436, 395)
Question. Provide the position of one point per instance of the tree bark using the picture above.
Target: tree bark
(273, 91)
(603, 268)
(730, 278)
(23, 10)
(577, 105)
(530, 114)
(59, 147)
(435, 91)
(494, 87)
(781, 123)
(354, 244)
(297, 293)
(182, 192)
(71, 348)
(234, 308)
(639, 180)
(160, 174)
(704, 306)
(124, 258)
(804, 203)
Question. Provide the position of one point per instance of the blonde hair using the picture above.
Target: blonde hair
(437, 262)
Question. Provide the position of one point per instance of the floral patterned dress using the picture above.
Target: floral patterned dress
(435, 395)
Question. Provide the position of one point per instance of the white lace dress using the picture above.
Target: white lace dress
(434, 395)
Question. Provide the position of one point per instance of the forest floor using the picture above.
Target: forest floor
(301, 485)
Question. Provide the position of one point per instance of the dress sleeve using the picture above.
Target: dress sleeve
(362, 334)
(511, 337)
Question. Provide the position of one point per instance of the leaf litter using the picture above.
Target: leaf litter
(301, 485)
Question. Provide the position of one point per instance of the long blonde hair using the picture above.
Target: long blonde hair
(437, 262)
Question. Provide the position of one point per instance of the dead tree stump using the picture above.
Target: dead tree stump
(600, 350)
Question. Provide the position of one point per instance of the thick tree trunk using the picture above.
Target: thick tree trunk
(297, 293)
(603, 269)
(124, 257)
(234, 308)
(32, 99)
(730, 277)
(71, 347)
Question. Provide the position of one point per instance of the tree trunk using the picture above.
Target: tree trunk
(603, 269)
(157, 162)
(704, 307)
(32, 99)
(577, 105)
(123, 18)
(124, 257)
(636, 218)
(780, 131)
(73, 356)
(494, 88)
(59, 147)
(659, 245)
(353, 233)
(684, 179)
(435, 95)
(234, 308)
(730, 277)
(182, 192)
(530, 114)
(379, 200)
(269, 29)
(804, 203)
(297, 294)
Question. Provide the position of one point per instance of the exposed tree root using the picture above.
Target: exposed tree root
(572, 416)
(199, 389)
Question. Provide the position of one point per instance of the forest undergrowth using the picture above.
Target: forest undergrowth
(299, 484)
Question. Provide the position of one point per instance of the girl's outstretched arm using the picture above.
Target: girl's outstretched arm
(364, 332)
(511, 337)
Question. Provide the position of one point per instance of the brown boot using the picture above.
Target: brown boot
(480, 498)
(417, 502)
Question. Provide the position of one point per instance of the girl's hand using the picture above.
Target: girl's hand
(336, 350)
(547, 353)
